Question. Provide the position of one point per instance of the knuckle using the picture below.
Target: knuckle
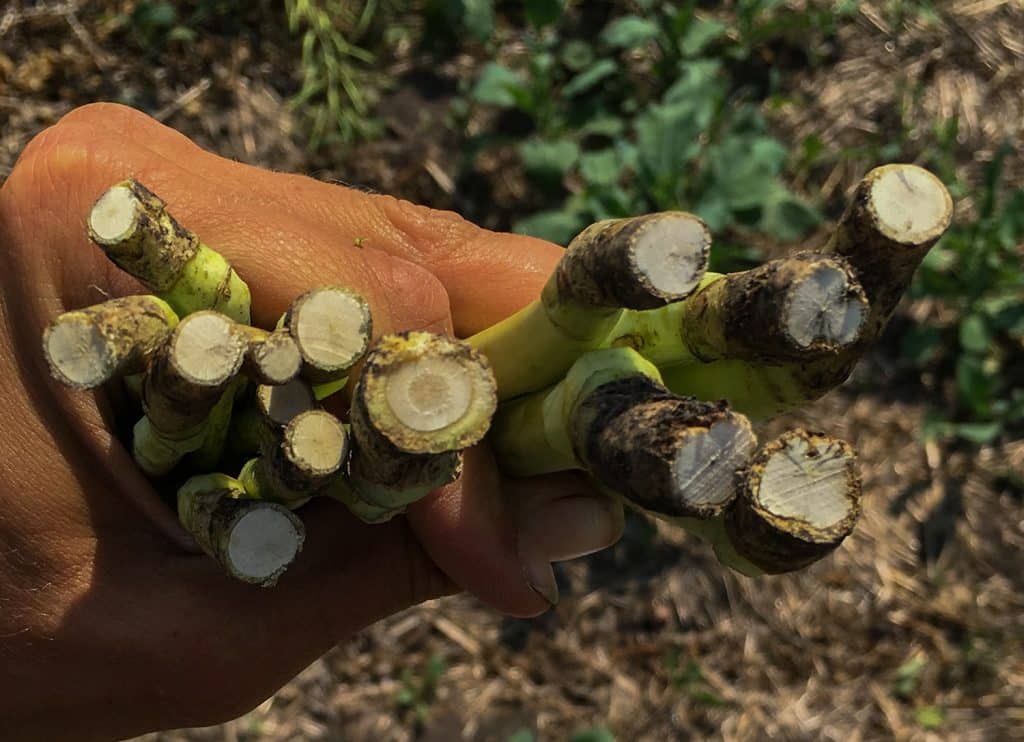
(414, 298)
(431, 231)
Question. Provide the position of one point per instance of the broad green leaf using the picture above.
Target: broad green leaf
(979, 433)
(786, 217)
(600, 168)
(478, 18)
(974, 334)
(549, 158)
(605, 125)
(577, 54)
(698, 81)
(973, 384)
(557, 226)
(700, 33)
(630, 32)
(522, 735)
(498, 86)
(540, 13)
(590, 77)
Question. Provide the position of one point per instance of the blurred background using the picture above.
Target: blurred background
(542, 116)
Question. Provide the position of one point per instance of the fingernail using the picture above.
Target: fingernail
(564, 529)
(541, 578)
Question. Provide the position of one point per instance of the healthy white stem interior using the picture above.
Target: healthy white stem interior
(282, 403)
(912, 204)
(114, 216)
(263, 541)
(812, 489)
(821, 309)
(205, 348)
(672, 254)
(317, 439)
(330, 325)
(79, 352)
(279, 358)
(705, 465)
(429, 394)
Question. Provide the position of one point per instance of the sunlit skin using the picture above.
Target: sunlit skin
(111, 622)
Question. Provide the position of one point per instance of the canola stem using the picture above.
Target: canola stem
(254, 541)
(137, 233)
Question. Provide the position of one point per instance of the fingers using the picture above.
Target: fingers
(487, 275)
(497, 537)
(246, 213)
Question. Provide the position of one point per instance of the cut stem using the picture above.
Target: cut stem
(312, 449)
(331, 326)
(898, 212)
(133, 227)
(800, 498)
(662, 453)
(419, 401)
(271, 358)
(88, 347)
(638, 263)
(253, 540)
(187, 378)
(426, 393)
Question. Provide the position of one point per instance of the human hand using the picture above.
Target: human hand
(112, 623)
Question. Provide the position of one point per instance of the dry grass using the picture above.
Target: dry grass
(922, 609)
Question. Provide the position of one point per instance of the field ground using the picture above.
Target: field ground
(913, 630)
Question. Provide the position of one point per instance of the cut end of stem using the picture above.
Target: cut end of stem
(115, 215)
(675, 456)
(78, 353)
(315, 443)
(205, 349)
(332, 326)
(276, 360)
(279, 404)
(825, 311)
(911, 206)
(704, 469)
(801, 498)
(427, 393)
(263, 541)
(670, 253)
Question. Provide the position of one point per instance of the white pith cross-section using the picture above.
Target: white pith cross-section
(206, 349)
(811, 489)
(819, 309)
(114, 216)
(429, 394)
(912, 204)
(79, 351)
(318, 440)
(329, 325)
(262, 542)
(705, 466)
(672, 253)
(285, 401)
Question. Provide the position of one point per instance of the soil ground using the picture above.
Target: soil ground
(913, 630)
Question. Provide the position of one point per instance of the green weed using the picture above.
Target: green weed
(975, 274)
(334, 67)
(419, 689)
(648, 116)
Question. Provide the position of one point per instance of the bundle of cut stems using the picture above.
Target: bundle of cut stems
(634, 365)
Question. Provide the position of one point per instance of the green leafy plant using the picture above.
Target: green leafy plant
(419, 690)
(334, 68)
(976, 340)
(647, 117)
